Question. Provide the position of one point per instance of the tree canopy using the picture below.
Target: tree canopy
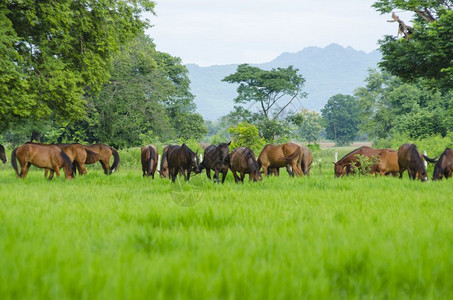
(428, 52)
(273, 90)
(55, 52)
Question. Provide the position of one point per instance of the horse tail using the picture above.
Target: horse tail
(152, 156)
(116, 160)
(14, 162)
(431, 160)
(92, 156)
(294, 155)
(67, 161)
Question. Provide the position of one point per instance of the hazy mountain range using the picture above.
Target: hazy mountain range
(328, 71)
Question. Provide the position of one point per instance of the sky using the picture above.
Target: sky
(217, 32)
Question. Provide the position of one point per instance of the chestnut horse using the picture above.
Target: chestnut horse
(276, 156)
(410, 159)
(243, 160)
(42, 156)
(105, 152)
(2, 154)
(346, 165)
(181, 159)
(149, 157)
(216, 158)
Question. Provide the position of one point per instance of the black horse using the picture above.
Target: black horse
(443, 166)
(216, 158)
(2, 154)
(181, 159)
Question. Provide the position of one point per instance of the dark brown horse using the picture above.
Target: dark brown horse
(149, 157)
(243, 160)
(307, 160)
(106, 152)
(276, 156)
(3, 154)
(41, 156)
(346, 165)
(181, 159)
(216, 158)
(410, 159)
(443, 166)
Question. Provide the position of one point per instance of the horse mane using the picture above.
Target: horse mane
(152, 156)
(249, 155)
(417, 156)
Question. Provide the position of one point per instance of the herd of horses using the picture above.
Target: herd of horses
(181, 160)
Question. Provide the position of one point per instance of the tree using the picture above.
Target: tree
(245, 135)
(341, 118)
(426, 53)
(389, 106)
(55, 52)
(267, 88)
(308, 124)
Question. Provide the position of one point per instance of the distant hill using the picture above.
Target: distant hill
(328, 71)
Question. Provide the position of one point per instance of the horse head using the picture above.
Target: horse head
(195, 162)
(2, 154)
(340, 169)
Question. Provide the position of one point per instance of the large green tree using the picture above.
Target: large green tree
(341, 118)
(274, 90)
(309, 125)
(427, 50)
(54, 52)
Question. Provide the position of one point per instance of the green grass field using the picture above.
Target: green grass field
(128, 237)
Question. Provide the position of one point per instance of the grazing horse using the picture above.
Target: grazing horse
(106, 152)
(216, 158)
(276, 156)
(307, 160)
(346, 165)
(410, 159)
(388, 163)
(42, 156)
(3, 154)
(243, 160)
(149, 158)
(181, 159)
(443, 166)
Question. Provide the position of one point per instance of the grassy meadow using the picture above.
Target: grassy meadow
(128, 237)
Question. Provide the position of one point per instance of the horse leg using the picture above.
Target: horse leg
(46, 172)
(290, 170)
(81, 168)
(265, 170)
(243, 176)
(216, 175)
(105, 167)
(224, 174)
(208, 173)
(188, 175)
(236, 178)
(51, 174)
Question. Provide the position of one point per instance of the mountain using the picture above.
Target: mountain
(328, 71)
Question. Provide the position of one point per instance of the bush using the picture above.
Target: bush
(246, 135)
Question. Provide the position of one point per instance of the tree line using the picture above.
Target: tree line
(84, 71)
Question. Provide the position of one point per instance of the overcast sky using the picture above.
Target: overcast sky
(210, 32)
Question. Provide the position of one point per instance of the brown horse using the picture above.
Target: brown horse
(276, 156)
(41, 156)
(149, 157)
(243, 160)
(410, 159)
(388, 163)
(3, 154)
(105, 152)
(216, 158)
(346, 165)
(443, 166)
(307, 160)
(181, 159)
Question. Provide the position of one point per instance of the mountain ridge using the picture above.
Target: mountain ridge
(328, 71)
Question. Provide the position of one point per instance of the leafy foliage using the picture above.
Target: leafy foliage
(388, 106)
(245, 135)
(53, 52)
(341, 118)
(428, 53)
(308, 124)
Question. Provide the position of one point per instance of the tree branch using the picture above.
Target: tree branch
(287, 104)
